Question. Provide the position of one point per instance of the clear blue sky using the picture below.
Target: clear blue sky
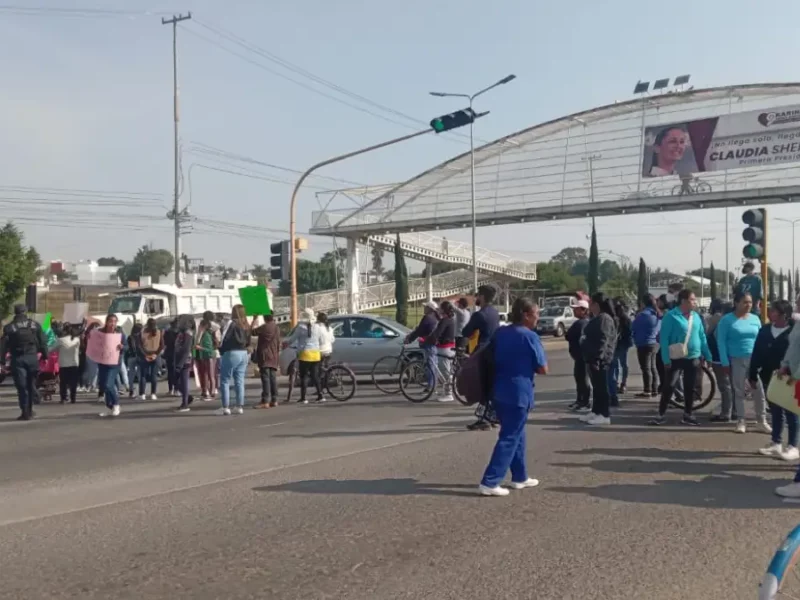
(86, 103)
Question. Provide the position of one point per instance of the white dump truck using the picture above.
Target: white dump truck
(160, 301)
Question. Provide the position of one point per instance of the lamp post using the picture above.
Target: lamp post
(793, 222)
(703, 243)
(471, 98)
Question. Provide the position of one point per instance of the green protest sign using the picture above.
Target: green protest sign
(255, 300)
(48, 319)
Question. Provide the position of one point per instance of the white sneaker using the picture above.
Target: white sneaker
(585, 418)
(153, 397)
(599, 420)
(789, 491)
(584, 410)
(445, 398)
(771, 450)
(790, 454)
(143, 397)
(521, 485)
(741, 426)
(238, 410)
(764, 427)
(112, 412)
(495, 491)
(222, 411)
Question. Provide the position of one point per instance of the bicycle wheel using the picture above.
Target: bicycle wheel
(777, 583)
(340, 382)
(678, 190)
(293, 372)
(702, 188)
(708, 389)
(415, 381)
(456, 395)
(386, 374)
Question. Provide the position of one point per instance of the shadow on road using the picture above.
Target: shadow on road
(714, 491)
(661, 453)
(376, 487)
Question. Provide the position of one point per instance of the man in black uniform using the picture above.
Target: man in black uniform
(24, 339)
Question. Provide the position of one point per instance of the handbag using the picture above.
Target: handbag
(784, 394)
(678, 351)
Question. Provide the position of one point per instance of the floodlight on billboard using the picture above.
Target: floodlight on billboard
(732, 141)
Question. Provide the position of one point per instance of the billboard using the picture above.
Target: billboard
(735, 141)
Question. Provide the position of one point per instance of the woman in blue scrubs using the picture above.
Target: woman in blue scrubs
(518, 355)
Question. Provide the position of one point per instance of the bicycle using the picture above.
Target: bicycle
(784, 561)
(687, 189)
(417, 374)
(702, 400)
(388, 369)
(336, 378)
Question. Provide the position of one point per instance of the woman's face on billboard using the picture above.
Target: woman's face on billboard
(672, 146)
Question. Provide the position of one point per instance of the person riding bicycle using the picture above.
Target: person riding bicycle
(426, 327)
(444, 336)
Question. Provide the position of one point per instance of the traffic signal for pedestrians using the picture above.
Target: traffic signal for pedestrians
(279, 261)
(454, 120)
(755, 234)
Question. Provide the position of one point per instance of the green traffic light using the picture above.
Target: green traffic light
(438, 125)
(753, 251)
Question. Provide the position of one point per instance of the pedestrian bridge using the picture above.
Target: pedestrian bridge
(731, 146)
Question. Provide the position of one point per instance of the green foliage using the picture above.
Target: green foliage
(147, 262)
(641, 280)
(593, 278)
(18, 266)
(571, 256)
(401, 284)
(555, 277)
(110, 261)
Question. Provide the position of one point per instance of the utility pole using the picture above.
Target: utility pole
(703, 243)
(176, 209)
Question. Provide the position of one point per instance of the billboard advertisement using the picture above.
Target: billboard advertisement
(735, 141)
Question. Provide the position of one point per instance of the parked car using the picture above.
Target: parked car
(555, 320)
(360, 341)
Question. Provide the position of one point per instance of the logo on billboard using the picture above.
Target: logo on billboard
(770, 119)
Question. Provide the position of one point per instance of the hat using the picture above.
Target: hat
(20, 309)
(432, 305)
(581, 304)
(310, 314)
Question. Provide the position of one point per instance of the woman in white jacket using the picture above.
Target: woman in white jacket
(790, 373)
(326, 340)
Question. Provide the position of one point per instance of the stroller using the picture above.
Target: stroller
(47, 381)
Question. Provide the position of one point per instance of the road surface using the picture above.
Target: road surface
(375, 499)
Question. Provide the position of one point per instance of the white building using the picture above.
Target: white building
(90, 273)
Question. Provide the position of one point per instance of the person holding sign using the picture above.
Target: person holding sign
(105, 347)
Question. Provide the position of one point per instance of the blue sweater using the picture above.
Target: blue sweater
(673, 331)
(736, 337)
(645, 328)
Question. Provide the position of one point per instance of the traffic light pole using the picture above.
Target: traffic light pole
(293, 205)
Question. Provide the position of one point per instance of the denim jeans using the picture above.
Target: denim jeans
(90, 373)
(107, 377)
(133, 372)
(779, 415)
(618, 373)
(234, 366)
(431, 368)
(123, 375)
(148, 371)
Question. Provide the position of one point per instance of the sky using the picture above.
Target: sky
(87, 105)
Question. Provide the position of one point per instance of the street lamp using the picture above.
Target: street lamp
(471, 98)
(793, 222)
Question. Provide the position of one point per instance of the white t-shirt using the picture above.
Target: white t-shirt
(69, 349)
(776, 331)
(326, 340)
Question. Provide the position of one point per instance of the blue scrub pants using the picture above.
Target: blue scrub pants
(509, 451)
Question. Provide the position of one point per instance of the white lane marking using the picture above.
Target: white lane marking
(229, 479)
(272, 424)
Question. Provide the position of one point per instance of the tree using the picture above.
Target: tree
(609, 270)
(570, 256)
(401, 284)
(377, 261)
(147, 262)
(713, 292)
(261, 273)
(796, 284)
(110, 261)
(554, 277)
(18, 265)
(593, 279)
(641, 280)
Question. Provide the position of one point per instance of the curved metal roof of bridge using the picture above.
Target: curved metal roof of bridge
(584, 164)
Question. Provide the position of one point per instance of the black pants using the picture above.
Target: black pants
(269, 384)
(24, 370)
(647, 364)
(309, 370)
(662, 378)
(580, 372)
(687, 367)
(172, 380)
(599, 379)
(68, 382)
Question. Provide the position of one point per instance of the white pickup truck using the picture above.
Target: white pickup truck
(161, 301)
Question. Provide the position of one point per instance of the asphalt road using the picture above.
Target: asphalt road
(375, 499)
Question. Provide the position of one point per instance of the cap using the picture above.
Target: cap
(20, 309)
(310, 314)
(432, 305)
(582, 304)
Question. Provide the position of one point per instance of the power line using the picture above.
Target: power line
(94, 13)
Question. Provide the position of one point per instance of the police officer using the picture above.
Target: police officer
(24, 339)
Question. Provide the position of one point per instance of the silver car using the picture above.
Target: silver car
(555, 320)
(360, 341)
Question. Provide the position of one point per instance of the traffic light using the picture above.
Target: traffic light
(755, 234)
(454, 120)
(279, 261)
